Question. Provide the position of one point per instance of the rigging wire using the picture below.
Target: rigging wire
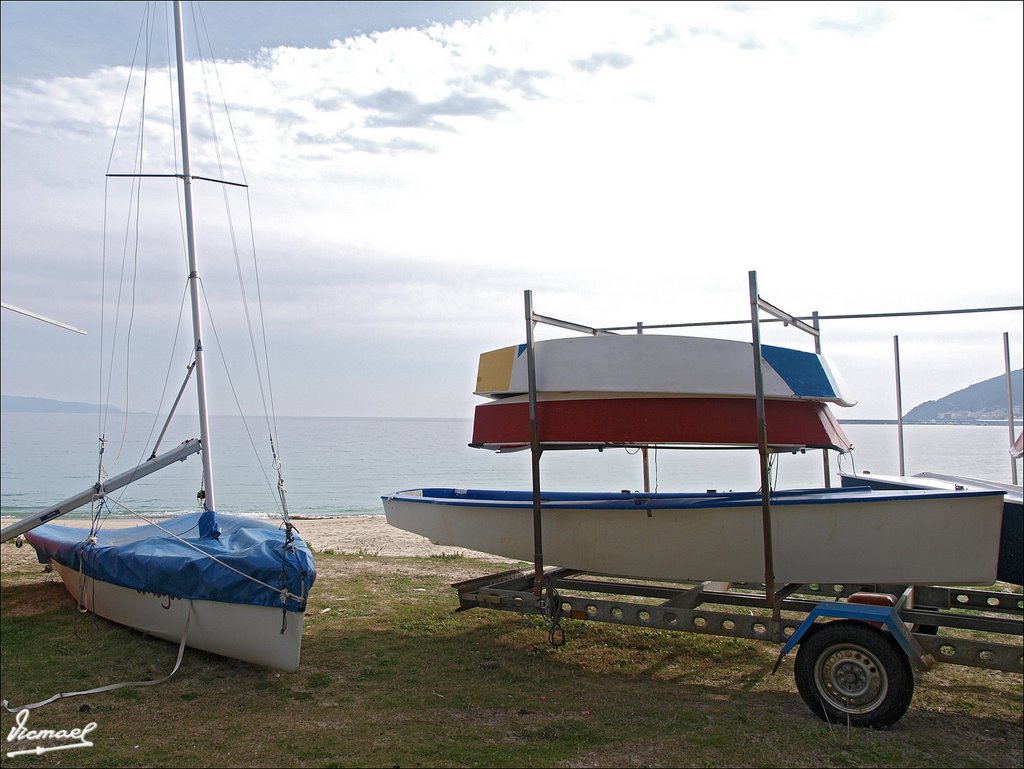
(234, 392)
(263, 377)
(125, 298)
(145, 40)
(133, 239)
(271, 410)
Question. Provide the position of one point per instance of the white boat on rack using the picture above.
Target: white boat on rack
(229, 584)
(843, 535)
(1010, 567)
(660, 364)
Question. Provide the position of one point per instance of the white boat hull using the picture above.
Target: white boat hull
(241, 631)
(901, 537)
(659, 364)
(1011, 544)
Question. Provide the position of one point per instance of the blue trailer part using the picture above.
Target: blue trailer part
(887, 616)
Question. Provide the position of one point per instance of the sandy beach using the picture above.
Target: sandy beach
(361, 534)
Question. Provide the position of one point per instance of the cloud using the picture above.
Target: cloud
(400, 109)
(626, 162)
(860, 20)
(599, 61)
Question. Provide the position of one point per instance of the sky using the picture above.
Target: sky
(414, 168)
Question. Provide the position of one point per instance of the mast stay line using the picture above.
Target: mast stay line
(176, 176)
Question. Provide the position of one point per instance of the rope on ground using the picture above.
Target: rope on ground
(110, 687)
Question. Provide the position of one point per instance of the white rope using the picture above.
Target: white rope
(110, 687)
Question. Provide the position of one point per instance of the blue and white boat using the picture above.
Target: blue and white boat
(659, 364)
(1010, 566)
(835, 535)
(229, 584)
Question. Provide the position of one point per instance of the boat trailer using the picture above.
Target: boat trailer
(858, 645)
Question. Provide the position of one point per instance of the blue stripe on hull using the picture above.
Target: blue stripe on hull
(802, 371)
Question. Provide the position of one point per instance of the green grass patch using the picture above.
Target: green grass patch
(392, 676)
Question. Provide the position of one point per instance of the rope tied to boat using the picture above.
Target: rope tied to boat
(289, 547)
(87, 581)
(552, 607)
(289, 540)
(289, 537)
(110, 687)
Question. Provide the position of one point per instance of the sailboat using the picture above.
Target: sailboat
(233, 585)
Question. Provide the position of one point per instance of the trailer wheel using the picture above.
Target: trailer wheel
(851, 673)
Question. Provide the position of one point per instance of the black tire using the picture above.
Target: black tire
(851, 673)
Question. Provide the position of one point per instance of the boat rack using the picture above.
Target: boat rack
(703, 607)
(847, 669)
(757, 306)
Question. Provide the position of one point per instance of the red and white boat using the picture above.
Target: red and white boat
(578, 419)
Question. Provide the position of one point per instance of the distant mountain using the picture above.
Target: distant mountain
(983, 401)
(39, 405)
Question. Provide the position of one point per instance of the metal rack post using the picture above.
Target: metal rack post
(756, 305)
(899, 404)
(535, 448)
(1009, 405)
(825, 469)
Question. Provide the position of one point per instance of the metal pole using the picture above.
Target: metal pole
(177, 454)
(647, 468)
(643, 449)
(899, 404)
(857, 316)
(1009, 404)
(209, 502)
(762, 450)
(43, 318)
(825, 468)
(535, 449)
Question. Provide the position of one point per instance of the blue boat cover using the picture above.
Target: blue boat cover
(144, 558)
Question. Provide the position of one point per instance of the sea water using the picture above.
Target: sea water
(342, 466)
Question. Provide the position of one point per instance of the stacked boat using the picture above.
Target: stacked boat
(649, 390)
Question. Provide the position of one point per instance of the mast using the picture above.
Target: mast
(193, 271)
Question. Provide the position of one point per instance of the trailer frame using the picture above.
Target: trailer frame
(864, 672)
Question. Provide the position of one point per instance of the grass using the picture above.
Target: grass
(391, 676)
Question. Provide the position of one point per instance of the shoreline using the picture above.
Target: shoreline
(364, 534)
